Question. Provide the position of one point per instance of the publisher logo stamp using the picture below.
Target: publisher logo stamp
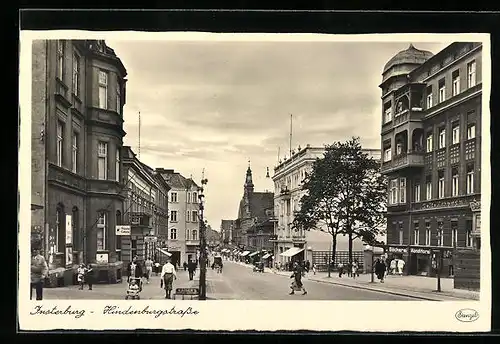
(467, 315)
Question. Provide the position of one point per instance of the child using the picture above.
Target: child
(133, 288)
(81, 275)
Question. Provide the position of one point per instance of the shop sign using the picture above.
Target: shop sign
(69, 257)
(69, 230)
(123, 230)
(150, 239)
(101, 258)
(398, 250)
(419, 250)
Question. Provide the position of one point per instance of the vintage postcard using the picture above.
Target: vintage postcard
(264, 182)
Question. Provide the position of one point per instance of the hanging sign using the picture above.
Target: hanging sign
(123, 230)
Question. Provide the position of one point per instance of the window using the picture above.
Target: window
(471, 131)
(442, 138)
(470, 180)
(173, 234)
(429, 97)
(402, 190)
(189, 197)
(394, 191)
(60, 60)
(428, 188)
(441, 184)
(173, 215)
(195, 234)
(60, 143)
(456, 82)
(74, 152)
(455, 134)
(387, 112)
(442, 90)
(188, 216)
(427, 233)
(118, 99)
(454, 233)
(103, 89)
(387, 155)
(454, 182)
(401, 234)
(416, 234)
(117, 165)
(440, 233)
(428, 142)
(194, 216)
(468, 233)
(399, 148)
(417, 192)
(471, 74)
(173, 197)
(101, 231)
(76, 75)
(102, 161)
(195, 197)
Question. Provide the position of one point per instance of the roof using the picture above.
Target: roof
(411, 55)
(259, 203)
(176, 180)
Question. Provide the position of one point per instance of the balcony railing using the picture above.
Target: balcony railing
(405, 160)
(192, 242)
(273, 237)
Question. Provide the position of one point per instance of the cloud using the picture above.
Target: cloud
(215, 105)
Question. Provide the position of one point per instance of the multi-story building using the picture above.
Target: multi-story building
(145, 209)
(431, 139)
(77, 134)
(213, 237)
(184, 226)
(299, 243)
(226, 229)
(254, 226)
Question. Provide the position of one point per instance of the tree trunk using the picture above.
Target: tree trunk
(350, 246)
(334, 250)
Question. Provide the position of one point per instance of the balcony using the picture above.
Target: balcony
(192, 242)
(62, 93)
(405, 160)
(273, 237)
(299, 239)
(285, 193)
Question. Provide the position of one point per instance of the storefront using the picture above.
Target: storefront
(422, 261)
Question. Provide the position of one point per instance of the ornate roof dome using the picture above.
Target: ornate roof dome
(411, 55)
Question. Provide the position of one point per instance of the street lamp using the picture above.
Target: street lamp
(203, 252)
(438, 260)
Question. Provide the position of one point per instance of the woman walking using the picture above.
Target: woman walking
(167, 277)
(297, 282)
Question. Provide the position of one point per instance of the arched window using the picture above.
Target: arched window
(102, 230)
(60, 234)
(195, 234)
(77, 237)
(173, 234)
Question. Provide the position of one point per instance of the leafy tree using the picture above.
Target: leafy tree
(344, 194)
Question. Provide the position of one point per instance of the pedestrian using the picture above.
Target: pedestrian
(297, 282)
(185, 266)
(80, 277)
(393, 266)
(340, 268)
(349, 268)
(39, 271)
(149, 268)
(168, 275)
(314, 268)
(191, 269)
(354, 269)
(380, 269)
(157, 268)
(89, 276)
(308, 265)
(401, 266)
(134, 269)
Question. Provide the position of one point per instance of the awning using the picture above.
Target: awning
(267, 255)
(164, 252)
(291, 252)
(253, 253)
(244, 253)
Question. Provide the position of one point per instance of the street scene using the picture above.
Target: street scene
(254, 170)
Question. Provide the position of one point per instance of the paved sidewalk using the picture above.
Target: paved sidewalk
(417, 286)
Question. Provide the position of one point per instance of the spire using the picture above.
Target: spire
(248, 180)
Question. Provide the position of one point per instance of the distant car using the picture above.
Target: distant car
(258, 267)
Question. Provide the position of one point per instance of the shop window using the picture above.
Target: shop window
(416, 234)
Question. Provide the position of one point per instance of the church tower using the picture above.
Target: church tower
(248, 189)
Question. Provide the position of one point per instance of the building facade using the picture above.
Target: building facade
(184, 226)
(145, 210)
(431, 143)
(77, 131)
(254, 226)
(226, 228)
(296, 243)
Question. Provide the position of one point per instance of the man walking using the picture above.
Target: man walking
(149, 268)
(39, 271)
(191, 269)
(167, 277)
(297, 276)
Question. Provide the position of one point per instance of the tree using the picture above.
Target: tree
(344, 194)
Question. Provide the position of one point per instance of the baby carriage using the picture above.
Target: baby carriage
(134, 289)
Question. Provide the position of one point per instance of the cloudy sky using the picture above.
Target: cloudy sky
(214, 105)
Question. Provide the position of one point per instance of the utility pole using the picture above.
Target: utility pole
(203, 239)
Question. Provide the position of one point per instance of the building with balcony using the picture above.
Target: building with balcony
(145, 210)
(255, 222)
(299, 244)
(431, 139)
(184, 226)
(77, 134)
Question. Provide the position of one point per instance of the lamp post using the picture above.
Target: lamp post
(203, 252)
(372, 268)
(438, 260)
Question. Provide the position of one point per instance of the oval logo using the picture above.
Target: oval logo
(467, 315)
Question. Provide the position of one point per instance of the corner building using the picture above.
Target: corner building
(431, 150)
(78, 127)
